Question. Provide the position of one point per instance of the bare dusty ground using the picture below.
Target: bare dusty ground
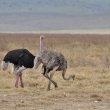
(38, 102)
(86, 92)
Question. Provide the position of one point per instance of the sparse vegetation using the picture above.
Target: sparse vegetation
(88, 58)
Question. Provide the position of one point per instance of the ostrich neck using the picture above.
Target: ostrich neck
(41, 45)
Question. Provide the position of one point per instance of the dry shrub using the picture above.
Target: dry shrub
(105, 58)
(105, 82)
(82, 61)
(96, 97)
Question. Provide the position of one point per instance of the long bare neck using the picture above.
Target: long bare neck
(41, 43)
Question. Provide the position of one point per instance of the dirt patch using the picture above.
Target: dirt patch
(38, 102)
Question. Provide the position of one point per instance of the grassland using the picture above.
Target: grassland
(88, 57)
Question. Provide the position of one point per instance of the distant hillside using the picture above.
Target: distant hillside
(41, 15)
(69, 7)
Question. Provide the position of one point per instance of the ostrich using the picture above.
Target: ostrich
(52, 61)
(21, 60)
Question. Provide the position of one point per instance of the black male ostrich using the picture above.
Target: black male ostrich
(22, 59)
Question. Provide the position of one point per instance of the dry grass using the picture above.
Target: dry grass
(88, 58)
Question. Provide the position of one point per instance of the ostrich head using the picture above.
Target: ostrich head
(42, 37)
(37, 62)
(4, 65)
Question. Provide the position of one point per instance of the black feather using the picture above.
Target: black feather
(21, 57)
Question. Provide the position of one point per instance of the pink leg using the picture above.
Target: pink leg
(17, 79)
(20, 75)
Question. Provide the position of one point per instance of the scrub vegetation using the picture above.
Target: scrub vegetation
(88, 57)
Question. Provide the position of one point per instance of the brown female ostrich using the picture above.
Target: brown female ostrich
(52, 61)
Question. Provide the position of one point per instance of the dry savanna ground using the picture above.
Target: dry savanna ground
(88, 57)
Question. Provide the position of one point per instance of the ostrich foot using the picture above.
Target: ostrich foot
(48, 89)
(73, 77)
(16, 85)
(56, 86)
(22, 85)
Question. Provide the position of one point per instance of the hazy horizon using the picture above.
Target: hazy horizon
(48, 15)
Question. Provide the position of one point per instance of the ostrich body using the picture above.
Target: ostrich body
(21, 59)
(52, 61)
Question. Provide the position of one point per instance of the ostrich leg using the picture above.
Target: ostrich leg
(51, 76)
(17, 79)
(46, 70)
(55, 84)
(20, 75)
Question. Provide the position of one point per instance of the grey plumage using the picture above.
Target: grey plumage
(52, 61)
